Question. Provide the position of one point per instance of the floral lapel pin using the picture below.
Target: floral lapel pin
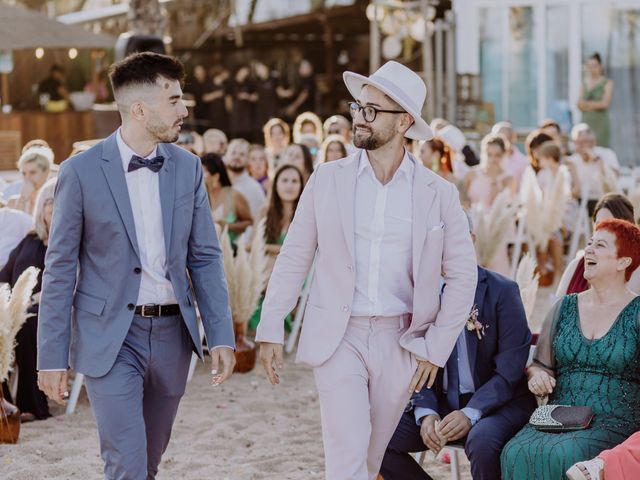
(473, 324)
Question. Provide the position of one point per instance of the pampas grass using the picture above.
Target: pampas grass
(527, 280)
(492, 226)
(13, 313)
(246, 273)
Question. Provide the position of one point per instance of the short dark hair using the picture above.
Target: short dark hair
(144, 68)
(619, 206)
(550, 123)
(595, 56)
(213, 163)
(549, 149)
(56, 68)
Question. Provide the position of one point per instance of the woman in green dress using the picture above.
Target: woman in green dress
(588, 354)
(228, 206)
(595, 99)
(283, 201)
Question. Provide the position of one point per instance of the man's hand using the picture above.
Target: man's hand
(54, 385)
(222, 358)
(455, 426)
(429, 435)
(271, 358)
(425, 373)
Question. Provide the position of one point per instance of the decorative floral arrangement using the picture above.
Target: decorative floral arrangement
(13, 313)
(473, 324)
(492, 226)
(246, 273)
(527, 280)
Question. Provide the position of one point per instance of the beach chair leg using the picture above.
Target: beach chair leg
(75, 393)
(455, 465)
(13, 389)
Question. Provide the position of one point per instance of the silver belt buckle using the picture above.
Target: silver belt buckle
(143, 314)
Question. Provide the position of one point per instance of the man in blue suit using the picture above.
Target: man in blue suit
(132, 240)
(480, 398)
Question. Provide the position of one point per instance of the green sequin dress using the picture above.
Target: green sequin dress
(604, 374)
(599, 119)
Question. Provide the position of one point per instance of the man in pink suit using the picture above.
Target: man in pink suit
(385, 232)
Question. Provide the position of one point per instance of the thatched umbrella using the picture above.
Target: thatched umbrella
(21, 28)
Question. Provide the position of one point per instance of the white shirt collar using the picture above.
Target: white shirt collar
(126, 152)
(406, 166)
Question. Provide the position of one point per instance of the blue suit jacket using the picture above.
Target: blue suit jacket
(89, 282)
(497, 360)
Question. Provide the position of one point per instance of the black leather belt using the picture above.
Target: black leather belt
(157, 310)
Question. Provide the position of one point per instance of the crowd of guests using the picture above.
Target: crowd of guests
(588, 352)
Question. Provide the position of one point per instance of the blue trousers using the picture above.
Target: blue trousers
(136, 402)
(483, 444)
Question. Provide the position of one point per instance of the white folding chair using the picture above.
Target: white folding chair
(72, 402)
(583, 225)
(302, 305)
(454, 450)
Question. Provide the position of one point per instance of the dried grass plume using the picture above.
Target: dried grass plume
(492, 226)
(13, 313)
(527, 280)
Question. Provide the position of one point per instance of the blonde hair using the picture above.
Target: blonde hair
(45, 197)
(276, 122)
(322, 153)
(41, 156)
(307, 117)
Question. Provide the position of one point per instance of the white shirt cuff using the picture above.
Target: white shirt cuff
(222, 346)
(421, 412)
(472, 414)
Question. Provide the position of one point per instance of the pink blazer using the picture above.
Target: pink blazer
(442, 249)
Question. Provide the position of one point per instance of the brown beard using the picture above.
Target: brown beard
(236, 169)
(162, 132)
(374, 141)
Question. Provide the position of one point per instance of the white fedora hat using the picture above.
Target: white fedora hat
(401, 84)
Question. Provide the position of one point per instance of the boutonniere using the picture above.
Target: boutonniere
(474, 324)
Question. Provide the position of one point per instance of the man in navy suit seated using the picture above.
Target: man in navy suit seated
(480, 398)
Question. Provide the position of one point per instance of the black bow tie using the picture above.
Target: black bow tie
(154, 164)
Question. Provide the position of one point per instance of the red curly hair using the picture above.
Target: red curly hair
(627, 241)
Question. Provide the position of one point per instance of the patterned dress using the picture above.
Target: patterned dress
(599, 119)
(604, 374)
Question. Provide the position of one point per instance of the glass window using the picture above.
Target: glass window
(523, 88)
(491, 53)
(557, 66)
(614, 32)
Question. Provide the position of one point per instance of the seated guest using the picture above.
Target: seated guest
(339, 125)
(611, 205)
(258, 167)
(236, 161)
(515, 162)
(288, 184)
(307, 123)
(596, 168)
(215, 141)
(30, 252)
(480, 398)
(333, 148)
(276, 139)
(228, 206)
(299, 156)
(622, 462)
(588, 354)
(14, 225)
(35, 166)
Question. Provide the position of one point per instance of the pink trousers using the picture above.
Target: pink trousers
(623, 462)
(363, 389)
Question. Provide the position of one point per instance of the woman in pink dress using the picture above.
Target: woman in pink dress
(619, 463)
(483, 184)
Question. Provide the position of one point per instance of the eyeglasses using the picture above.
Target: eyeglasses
(369, 113)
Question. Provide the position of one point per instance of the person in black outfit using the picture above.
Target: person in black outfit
(267, 102)
(30, 252)
(53, 85)
(221, 103)
(305, 96)
(244, 99)
(202, 90)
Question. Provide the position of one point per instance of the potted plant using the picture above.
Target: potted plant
(246, 279)
(13, 313)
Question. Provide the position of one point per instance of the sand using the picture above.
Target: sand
(242, 430)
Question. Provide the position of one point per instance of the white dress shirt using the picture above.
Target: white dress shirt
(252, 191)
(383, 241)
(14, 225)
(144, 196)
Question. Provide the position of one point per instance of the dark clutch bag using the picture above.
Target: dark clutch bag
(561, 418)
